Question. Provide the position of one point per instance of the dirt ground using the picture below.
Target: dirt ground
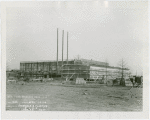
(53, 96)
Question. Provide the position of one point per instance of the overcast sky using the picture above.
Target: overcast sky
(97, 30)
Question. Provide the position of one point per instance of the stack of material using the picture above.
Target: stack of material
(128, 82)
(109, 82)
(50, 79)
(39, 79)
(47, 79)
(80, 81)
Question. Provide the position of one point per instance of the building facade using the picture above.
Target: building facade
(81, 68)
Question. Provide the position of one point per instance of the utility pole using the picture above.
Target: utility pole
(62, 51)
(67, 47)
(122, 68)
(57, 53)
(62, 45)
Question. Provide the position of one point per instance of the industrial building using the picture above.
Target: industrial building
(75, 68)
(71, 69)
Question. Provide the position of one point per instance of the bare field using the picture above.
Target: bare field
(54, 96)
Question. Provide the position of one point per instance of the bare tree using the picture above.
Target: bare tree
(122, 72)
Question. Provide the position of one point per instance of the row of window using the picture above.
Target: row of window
(40, 68)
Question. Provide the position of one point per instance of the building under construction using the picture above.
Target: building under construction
(77, 68)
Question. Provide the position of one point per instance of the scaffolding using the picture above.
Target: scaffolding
(85, 71)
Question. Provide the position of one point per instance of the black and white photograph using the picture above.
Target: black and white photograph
(75, 56)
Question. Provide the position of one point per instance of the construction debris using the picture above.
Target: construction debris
(80, 81)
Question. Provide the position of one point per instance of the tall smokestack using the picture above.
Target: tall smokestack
(62, 45)
(67, 47)
(57, 52)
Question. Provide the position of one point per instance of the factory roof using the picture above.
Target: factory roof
(84, 60)
(45, 61)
